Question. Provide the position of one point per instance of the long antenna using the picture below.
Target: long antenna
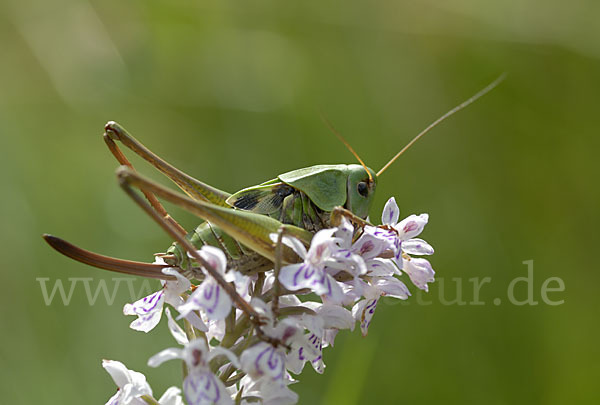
(456, 109)
(341, 138)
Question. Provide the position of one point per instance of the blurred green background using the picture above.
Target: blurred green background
(231, 93)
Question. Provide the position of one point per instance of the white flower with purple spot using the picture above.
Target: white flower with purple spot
(310, 347)
(210, 297)
(149, 309)
(419, 270)
(201, 386)
(406, 243)
(363, 312)
(132, 386)
(311, 272)
(264, 360)
(377, 287)
(176, 330)
(370, 246)
(349, 266)
(363, 255)
(345, 256)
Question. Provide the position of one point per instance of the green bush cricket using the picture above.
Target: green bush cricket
(299, 203)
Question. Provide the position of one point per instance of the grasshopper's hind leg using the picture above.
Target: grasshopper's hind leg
(150, 270)
(191, 186)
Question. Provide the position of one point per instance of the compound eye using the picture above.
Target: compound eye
(363, 189)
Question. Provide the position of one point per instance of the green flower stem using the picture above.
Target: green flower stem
(233, 335)
(149, 400)
(220, 361)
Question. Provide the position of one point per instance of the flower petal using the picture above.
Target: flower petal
(148, 310)
(263, 359)
(310, 349)
(335, 316)
(176, 330)
(277, 394)
(215, 257)
(411, 226)
(115, 399)
(391, 287)
(204, 388)
(295, 361)
(330, 290)
(297, 276)
(172, 396)
(324, 236)
(363, 312)
(132, 384)
(216, 330)
(118, 372)
(419, 271)
(379, 267)
(390, 213)
(195, 354)
(174, 288)
(386, 236)
(368, 246)
(345, 260)
(417, 246)
(159, 358)
(210, 297)
(293, 243)
(344, 233)
(196, 322)
(329, 337)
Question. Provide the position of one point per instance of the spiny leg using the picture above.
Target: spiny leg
(121, 158)
(126, 177)
(191, 186)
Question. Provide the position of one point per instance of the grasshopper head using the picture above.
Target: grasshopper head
(361, 189)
